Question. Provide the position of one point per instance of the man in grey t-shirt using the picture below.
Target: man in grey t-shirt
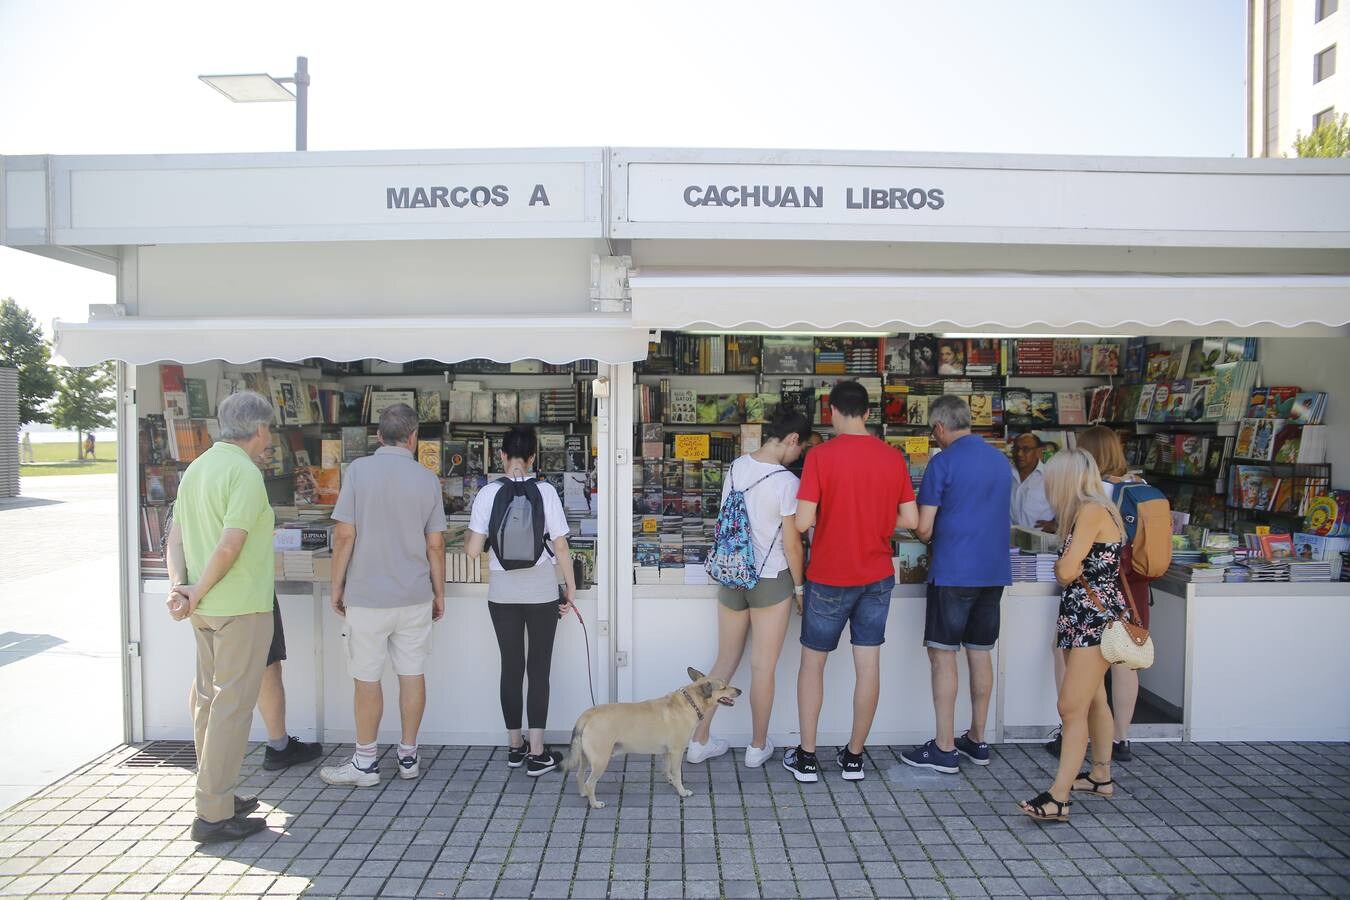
(389, 584)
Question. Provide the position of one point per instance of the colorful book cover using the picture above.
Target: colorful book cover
(707, 409)
(1043, 408)
(1305, 410)
(1161, 404)
(328, 482)
(1159, 361)
(1016, 406)
(198, 403)
(428, 405)
(454, 461)
(983, 356)
(1144, 411)
(951, 359)
(1198, 401)
(893, 404)
(911, 562)
(1178, 397)
(981, 410)
(353, 443)
(897, 355)
(1136, 357)
(505, 406)
(1277, 546)
(1280, 402)
(1070, 405)
(527, 408)
(429, 454)
(916, 409)
(831, 358)
(1221, 398)
(1105, 359)
(330, 453)
(1287, 442)
(788, 355)
(923, 354)
(1068, 356)
(379, 401)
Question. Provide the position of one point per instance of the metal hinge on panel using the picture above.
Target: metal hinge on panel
(609, 283)
(133, 649)
(621, 659)
(129, 397)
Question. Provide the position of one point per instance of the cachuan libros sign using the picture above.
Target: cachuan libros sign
(780, 196)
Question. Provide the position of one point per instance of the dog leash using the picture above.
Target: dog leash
(590, 678)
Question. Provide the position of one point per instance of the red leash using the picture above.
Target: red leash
(590, 678)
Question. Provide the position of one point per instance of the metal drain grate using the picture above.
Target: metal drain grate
(163, 754)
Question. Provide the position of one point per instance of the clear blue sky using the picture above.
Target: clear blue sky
(1143, 78)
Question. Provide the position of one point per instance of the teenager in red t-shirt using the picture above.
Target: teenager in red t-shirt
(855, 491)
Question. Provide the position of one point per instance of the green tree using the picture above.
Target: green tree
(1331, 138)
(85, 400)
(23, 347)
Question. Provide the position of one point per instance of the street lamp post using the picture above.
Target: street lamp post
(263, 88)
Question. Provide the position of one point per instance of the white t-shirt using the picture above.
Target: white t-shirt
(1029, 503)
(555, 519)
(767, 504)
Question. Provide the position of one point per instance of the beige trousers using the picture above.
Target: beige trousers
(231, 656)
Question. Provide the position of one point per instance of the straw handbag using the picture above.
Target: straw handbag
(1124, 641)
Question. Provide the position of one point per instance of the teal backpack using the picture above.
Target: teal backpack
(731, 561)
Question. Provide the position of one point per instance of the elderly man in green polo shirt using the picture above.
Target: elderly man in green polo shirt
(223, 524)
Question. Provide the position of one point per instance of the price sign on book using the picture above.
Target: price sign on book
(691, 446)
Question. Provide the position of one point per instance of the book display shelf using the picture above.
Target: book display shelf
(326, 416)
(700, 400)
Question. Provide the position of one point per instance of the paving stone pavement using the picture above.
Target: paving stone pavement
(1189, 819)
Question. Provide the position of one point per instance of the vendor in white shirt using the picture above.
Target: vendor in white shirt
(1030, 508)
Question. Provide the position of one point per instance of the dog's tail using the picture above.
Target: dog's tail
(574, 754)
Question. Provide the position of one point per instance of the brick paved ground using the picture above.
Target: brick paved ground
(1190, 819)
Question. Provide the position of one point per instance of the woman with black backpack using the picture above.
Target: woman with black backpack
(520, 520)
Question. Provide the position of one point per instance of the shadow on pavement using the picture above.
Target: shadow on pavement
(15, 647)
(25, 502)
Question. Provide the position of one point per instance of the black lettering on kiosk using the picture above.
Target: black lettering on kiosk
(539, 197)
(935, 200)
(419, 199)
(500, 195)
(459, 197)
(440, 196)
(917, 198)
(395, 198)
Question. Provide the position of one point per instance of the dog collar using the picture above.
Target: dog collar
(698, 712)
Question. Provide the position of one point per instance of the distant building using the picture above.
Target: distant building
(1296, 51)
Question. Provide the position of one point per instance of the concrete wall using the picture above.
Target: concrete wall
(1316, 364)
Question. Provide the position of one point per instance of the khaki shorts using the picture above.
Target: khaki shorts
(401, 635)
(769, 592)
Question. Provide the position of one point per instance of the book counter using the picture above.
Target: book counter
(1029, 284)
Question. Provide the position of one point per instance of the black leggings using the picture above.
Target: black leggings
(511, 621)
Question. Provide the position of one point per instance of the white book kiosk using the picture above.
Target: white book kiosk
(560, 255)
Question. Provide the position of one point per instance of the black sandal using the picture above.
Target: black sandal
(1096, 788)
(1036, 808)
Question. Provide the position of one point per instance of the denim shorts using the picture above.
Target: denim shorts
(962, 616)
(827, 608)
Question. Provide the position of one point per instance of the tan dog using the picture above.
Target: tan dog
(663, 725)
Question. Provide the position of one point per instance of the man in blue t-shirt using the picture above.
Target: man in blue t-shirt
(965, 490)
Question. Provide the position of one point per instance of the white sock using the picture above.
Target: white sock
(364, 757)
(406, 750)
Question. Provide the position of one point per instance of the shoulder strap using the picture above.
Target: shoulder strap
(777, 471)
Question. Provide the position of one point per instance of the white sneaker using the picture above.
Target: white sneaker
(697, 753)
(758, 756)
(408, 766)
(349, 774)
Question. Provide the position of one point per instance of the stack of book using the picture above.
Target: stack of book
(305, 565)
(1028, 566)
(1310, 570)
(1197, 572)
(1261, 569)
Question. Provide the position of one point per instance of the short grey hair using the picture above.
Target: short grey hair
(397, 424)
(241, 414)
(951, 412)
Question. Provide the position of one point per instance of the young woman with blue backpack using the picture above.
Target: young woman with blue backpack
(757, 561)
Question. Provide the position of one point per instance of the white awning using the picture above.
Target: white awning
(554, 339)
(1124, 303)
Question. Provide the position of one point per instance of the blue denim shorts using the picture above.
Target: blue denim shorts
(863, 607)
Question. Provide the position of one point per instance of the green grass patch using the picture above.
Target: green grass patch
(62, 459)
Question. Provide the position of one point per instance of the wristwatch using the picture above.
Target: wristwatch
(799, 589)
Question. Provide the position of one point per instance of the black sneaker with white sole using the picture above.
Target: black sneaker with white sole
(515, 756)
(851, 763)
(543, 763)
(803, 766)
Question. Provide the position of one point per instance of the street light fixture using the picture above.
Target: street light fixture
(263, 88)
